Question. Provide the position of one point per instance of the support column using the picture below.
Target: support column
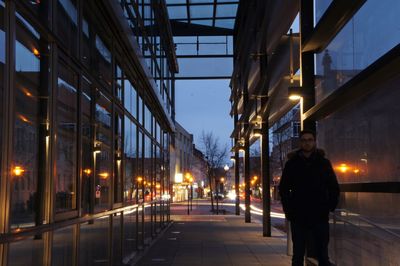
(307, 60)
(266, 178)
(237, 177)
(246, 168)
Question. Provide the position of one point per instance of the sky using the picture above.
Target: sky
(203, 105)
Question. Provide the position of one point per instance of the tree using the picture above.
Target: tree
(215, 155)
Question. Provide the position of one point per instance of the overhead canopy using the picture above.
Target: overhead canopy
(203, 35)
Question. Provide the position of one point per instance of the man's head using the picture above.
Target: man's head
(307, 140)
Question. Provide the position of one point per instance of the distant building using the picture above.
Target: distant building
(181, 161)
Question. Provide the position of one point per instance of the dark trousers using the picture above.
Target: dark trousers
(318, 234)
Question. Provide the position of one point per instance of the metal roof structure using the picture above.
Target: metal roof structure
(203, 36)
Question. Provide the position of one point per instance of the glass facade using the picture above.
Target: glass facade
(361, 138)
(88, 145)
(357, 45)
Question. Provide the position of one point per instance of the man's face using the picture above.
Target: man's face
(307, 142)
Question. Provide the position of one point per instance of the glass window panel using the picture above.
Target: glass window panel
(26, 252)
(87, 42)
(29, 135)
(130, 233)
(207, 22)
(40, 8)
(225, 23)
(140, 113)
(62, 251)
(104, 157)
(148, 118)
(87, 148)
(175, 2)
(201, 1)
(103, 60)
(94, 242)
(118, 158)
(117, 240)
(67, 22)
(177, 12)
(227, 10)
(130, 98)
(358, 45)
(118, 82)
(201, 11)
(363, 136)
(320, 7)
(205, 67)
(66, 147)
(130, 151)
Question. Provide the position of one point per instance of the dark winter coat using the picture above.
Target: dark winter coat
(308, 188)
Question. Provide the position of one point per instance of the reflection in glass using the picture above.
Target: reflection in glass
(87, 152)
(30, 126)
(130, 239)
(118, 158)
(148, 119)
(130, 154)
(104, 158)
(103, 60)
(362, 142)
(66, 147)
(357, 45)
(130, 98)
(67, 24)
(26, 252)
(117, 239)
(62, 249)
(94, 242)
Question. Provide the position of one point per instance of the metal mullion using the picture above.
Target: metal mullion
(214, 12)
(188, 10)
(8, 111)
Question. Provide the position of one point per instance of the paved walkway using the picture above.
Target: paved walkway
(205, 239)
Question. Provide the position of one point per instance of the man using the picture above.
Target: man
(309, 190)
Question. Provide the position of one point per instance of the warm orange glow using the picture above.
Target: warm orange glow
(253, 182)
(27, 92)
(222, 179)
(17, 230)
(18, 170)
(356, 171)
(191, 179)
(343, 168)
(158, 186)
(144, 183)
(104, 175)
(23, 118)
(36, 52)
(234, 186)
(255, 177)
(139, 179)
(87, 171)
(294, 97)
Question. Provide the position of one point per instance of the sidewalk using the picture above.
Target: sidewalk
(205, 239)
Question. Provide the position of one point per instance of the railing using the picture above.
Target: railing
(358, 240)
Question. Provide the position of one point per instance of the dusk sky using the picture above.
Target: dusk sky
(203, 105)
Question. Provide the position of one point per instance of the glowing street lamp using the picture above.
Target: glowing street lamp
(18, 170)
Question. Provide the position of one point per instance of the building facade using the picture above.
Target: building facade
(86, 90)
(181, 162)
(344, 65)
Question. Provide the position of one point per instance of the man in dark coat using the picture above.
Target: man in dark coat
(309, 190)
